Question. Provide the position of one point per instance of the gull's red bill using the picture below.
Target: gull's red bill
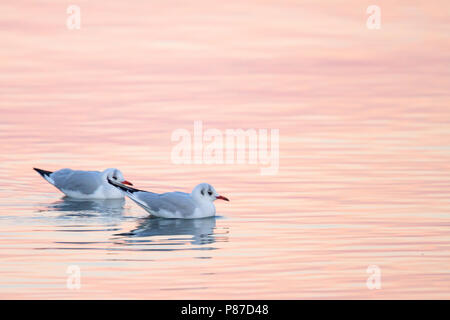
(127, 182)
(222, 198)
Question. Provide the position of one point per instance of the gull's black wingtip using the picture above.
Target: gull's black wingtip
(43, 173)
(122, 186)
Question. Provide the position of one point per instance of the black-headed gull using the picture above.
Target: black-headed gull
(85, 184)
(175, 205)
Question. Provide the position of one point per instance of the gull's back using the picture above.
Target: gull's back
(167, 205)
(85, 182)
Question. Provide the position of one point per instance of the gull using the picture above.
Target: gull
(85, 184)
(175, 205)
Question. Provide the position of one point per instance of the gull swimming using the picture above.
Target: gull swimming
(175, 205)
(86, 184)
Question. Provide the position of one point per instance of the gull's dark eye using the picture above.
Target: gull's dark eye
(210, 193)
(202, 192)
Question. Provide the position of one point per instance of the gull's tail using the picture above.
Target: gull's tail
(45, 174)
(125, 188)
(131, 192)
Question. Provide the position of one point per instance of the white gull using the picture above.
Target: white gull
(197, 204)
(85, 184)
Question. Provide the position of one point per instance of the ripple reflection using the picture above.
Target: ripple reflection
(199, 231)
(76, 207)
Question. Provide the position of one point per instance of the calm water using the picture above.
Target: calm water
(364, 174)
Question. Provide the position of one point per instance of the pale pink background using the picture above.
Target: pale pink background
(364, 143)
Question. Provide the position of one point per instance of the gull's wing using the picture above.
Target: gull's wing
(179, 204)
(45, 174)
(85, 182)
(168, 205)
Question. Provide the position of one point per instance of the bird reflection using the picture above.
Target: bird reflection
(201, 230)
(87, 207)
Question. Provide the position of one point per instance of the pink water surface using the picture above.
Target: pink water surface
(363, 116)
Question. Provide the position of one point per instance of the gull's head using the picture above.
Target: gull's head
(116, 175)
(206, 192)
